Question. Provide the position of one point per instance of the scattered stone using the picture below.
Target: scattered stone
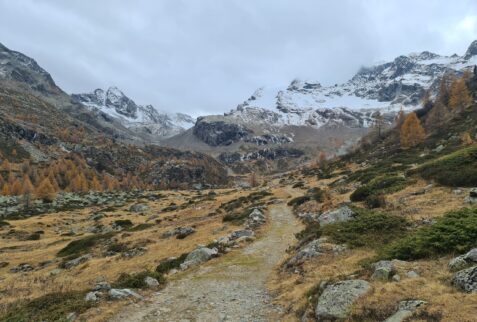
(308, 217)
(102, 286)
(336, 300)
(133, 252)
(21, 268)
(338, 215)
(383, 270)
(241, 233)
(412, 274)
(198, 256)
(466, 280)
(91, 296)
(55, 272)
(472, 197)
(179, 232)
(118, 294)
(76, 261)
(439, 148)
(151, 282)
(315, 248)
(139, 207)
(405, 310)
(396, 278)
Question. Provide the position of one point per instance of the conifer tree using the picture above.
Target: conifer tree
(45, 190)
(27, 190)
(459, 96)
(412, 132)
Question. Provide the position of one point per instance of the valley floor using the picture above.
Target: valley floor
(231, 288)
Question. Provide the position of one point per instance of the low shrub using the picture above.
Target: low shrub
(83, 245)
(368, 229)
(299, 184)
(4, 223)
(238, 217)
(117, 247)
(375, 201)
(295, 202)
(381, 185)
(142, 226)
(458, 169)
(50, 307)
(455, 232)
(123, 223)
(136, 280)
(170, 263)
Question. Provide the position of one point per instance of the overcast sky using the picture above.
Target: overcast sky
(206, 56)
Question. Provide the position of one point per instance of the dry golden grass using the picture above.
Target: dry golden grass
(19, 286)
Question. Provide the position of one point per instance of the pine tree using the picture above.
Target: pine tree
(45, 190)
(467, 139)
(459, 95)
(412, 132)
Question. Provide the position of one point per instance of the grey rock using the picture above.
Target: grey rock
(102, 286)
(338, 215)
(466, 280)
(71, 317)
(179, 232)
(458, 263)
(405, 310)
(151, 282)
(412, 274)
(76, 261)
(396, 278)
(383, 270)
(439, 148)
(117, 294)
(316, 248)
(91, 296)
(336, 300)
(198, 256)
(139, 207)
(21, 268)
(241, 233)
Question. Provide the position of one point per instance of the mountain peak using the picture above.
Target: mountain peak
(472, 50)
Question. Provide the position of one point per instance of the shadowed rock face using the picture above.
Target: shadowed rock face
(219, 133)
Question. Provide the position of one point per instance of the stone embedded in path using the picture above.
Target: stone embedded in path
(117, 294)
(336, 300)
(341, 214)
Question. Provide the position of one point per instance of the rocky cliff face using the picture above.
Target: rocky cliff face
(139, 118)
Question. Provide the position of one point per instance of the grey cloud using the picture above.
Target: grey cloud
(207, 56)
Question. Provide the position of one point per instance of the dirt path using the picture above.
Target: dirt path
(231, 288)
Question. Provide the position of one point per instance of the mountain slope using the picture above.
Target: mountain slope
(141, 119)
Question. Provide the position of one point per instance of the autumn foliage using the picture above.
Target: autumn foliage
(412, 132)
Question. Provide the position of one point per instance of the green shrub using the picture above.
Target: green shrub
(316, 194)
(136, 280)
(117, 247)
(381, 185)
(375, 201)
(83, 245)
(50, 307)
(368, 229)
(456, 232)
(458, 169)
(170, 263)
(238, 217)
(311, 232)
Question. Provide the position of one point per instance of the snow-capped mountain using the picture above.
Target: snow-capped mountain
(385, 87)
(114, 103)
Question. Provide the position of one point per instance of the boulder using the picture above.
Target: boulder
(460, 262)
(76, 261)
(118, 294)
(102, 286)
(315, 248)
(412, 274)
(139, 207)
(151, 282)
(91, 296)
(466, 280)
(241, 233)
(383, 270)
(21, 268)
(336, 300)
(198, 256)
(472, 197)
(405, 310)
(338, 215)
(179, 232)
(255, 219)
